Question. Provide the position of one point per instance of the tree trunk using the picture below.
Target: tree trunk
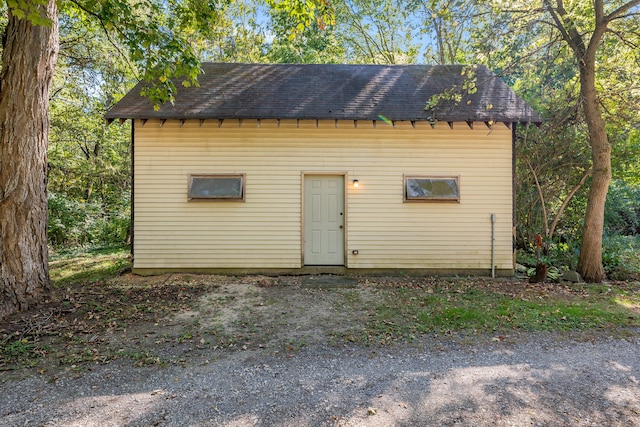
(590, 262)
(28, 58)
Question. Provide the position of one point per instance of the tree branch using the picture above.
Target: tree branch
(619, 11)
(568, 30)
(566, 201)
(106, 32)
(599, 12)
(541, 196)
(620, 35)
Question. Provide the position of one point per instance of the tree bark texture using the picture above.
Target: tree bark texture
(590, 262)
(28, 59)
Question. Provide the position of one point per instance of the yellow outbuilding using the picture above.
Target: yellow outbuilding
(337, 168)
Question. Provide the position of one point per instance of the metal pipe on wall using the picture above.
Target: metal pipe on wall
(493, 245)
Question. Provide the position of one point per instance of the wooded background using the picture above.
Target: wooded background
(577, 64)
(89, 176)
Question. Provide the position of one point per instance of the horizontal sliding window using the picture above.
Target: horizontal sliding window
(216, 187)
(431, 188)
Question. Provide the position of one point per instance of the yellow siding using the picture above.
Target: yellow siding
(265, 230)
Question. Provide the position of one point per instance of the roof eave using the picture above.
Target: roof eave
(520, 120)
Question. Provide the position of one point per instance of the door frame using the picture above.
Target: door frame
(303, 174)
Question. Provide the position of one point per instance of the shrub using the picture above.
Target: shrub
(622, 210)
(77, 223)
(621, 257)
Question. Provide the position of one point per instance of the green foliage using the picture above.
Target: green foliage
(620, 254)
(77, 223)
(32, 10)
(160, 39)
(554, 162)
(301, 15)
(626, 153)
(622, 211)
(621, 257)
(303, 33)
(311, 46)
(455, 94)
(88, 162)
(556, 255)
(17, 351)
(17, 348)
(238, 36)
(563, 255)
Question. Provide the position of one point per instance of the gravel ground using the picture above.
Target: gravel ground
(539, 380)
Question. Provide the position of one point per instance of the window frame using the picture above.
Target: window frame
(240, 198)
(407, 199)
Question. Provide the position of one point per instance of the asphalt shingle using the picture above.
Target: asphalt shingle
(334, 91)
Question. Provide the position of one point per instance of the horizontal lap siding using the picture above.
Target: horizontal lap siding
(265, 230)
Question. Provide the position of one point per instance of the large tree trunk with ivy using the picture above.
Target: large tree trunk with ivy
(28, 58)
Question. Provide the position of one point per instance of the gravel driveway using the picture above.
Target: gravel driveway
(539, 380)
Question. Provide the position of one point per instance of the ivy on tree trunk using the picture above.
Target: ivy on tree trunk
(29, 55)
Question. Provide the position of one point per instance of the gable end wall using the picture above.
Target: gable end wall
(264, 231)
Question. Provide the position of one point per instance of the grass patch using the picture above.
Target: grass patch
(405, 313)
(74, 267)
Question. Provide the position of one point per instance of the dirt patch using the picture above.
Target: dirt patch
(171, 318)
(279, 314)
(166, 319)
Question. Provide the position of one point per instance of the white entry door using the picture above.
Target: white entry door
(324, 220)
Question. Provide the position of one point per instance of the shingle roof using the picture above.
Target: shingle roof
(332, 91)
